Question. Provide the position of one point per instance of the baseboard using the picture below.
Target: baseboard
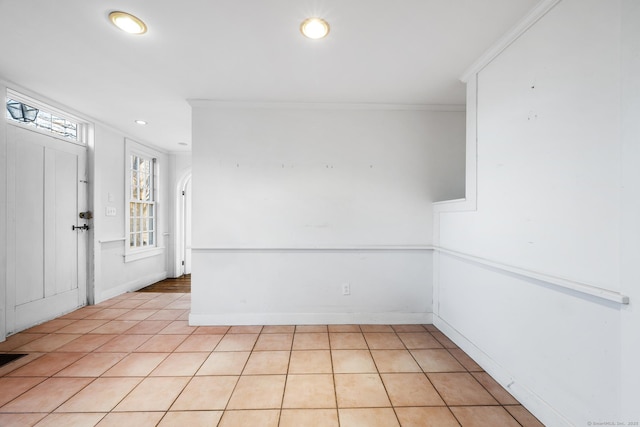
(131, 286)
(309, 318)
(530, 400)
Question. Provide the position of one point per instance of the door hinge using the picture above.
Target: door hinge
(183, 193)
(182, 262)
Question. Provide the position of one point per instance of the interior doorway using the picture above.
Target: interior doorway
(183, 226)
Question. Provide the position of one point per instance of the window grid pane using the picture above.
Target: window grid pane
(141, 205)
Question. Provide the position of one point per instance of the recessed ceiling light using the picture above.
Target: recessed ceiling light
(128, 23)
(141, 122)
(314, 28)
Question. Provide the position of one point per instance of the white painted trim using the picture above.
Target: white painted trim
(530, 400)
(381, 248)
(220, 104)
(573, 285)
(131, 286)
(511, 36)
(142, 254)
(117, 239)
(309, 319)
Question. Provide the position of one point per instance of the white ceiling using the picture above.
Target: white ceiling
(378, 51)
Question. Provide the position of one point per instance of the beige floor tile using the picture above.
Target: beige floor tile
(155, 304)
(204, 343)
(50, 326)
(368, 417)
(148, 327)
(310, 362)
(20, 420)
(309, 391)
(179, 365)
(170, 315)
(352, 361)
(206, 393)
(10, 388)
(383, 341)
(274, 341)
(102, 395)
(122, 343)
(311, 328)
(71, 420)
(482, 416)
(461, 389)
(178, 327)
(81, 313)
(524, 417)
(128, 303)
(82, 326)
(395, 361)
(161, 343)
(137, 315)
(279, 329)
(437, 360)
(258, 392)
(245, 330)
(268, 418)
(446, 342)
(309, 417)
(408, 328)
(224, 363)
(347, 341)
(311, 341)
(115, 327)
(46, 396)
(411, 390)
(153, 394)
(47, 343)
(426, 417)
(18, 363)
(108, 313)
(267, 362)
(47, 365)
(344, 328)
(376, 328)
(179, 305)
(136, 365)
(191, 419)
(360, 391)
(86, 343)
(465, 360)
(137, 419)
(500, 394)
(211, 330)
(237, 342)
(419, 340)
(92, 365)
(18, 340)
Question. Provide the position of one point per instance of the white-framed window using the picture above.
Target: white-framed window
(141, 211)
(25, 111)
(142, 201)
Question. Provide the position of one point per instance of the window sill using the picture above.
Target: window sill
(143, 253)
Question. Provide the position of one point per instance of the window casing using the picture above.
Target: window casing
(142, 202)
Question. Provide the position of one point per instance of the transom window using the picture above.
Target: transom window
(142, 212)
(38, 116)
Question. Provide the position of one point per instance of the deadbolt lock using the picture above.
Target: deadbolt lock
(86, 215)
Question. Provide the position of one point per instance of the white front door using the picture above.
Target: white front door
(46, 257)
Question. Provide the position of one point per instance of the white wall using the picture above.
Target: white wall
(113, 275)
(548, 217)
(292, 201)
(3, 221)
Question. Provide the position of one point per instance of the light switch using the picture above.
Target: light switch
(110, 211)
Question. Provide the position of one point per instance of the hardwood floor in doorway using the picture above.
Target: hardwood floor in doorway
(180, 284)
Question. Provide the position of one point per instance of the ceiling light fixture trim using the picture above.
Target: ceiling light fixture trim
(141, 122)
(314, 28)
(127, 22)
